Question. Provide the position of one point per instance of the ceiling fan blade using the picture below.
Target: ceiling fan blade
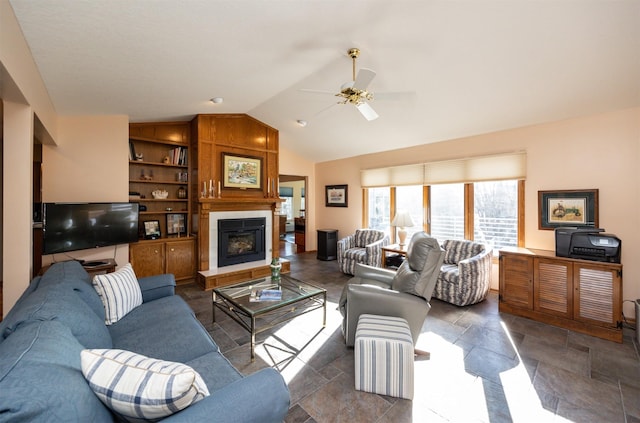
(364, 78)
(317, 91)
(367, 111)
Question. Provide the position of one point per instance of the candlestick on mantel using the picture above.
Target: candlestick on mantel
(219, 192)
(204, 189)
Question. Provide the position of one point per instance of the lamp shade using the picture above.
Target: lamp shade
(402, 219)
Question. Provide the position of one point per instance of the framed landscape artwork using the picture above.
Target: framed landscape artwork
(241, 172)
(568, 208)
(336, 195)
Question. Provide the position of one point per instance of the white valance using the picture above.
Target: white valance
(472, 169)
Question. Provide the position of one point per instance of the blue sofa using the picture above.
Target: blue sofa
(60, 314)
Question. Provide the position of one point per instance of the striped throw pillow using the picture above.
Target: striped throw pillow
(119, 291)
(140, 388)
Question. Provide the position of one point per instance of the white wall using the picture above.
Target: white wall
(601, 151)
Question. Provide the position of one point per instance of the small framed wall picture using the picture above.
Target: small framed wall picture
(152, 229)
(176, 224)
(336, 195)
(567, 208)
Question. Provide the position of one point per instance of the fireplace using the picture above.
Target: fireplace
(241, 240)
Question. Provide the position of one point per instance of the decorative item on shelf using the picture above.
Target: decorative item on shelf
(182, 176)
(182, 193)
(165, 160)
(139, 157)
(160, 194)
(276, 266)
(402, 219)
(145, 177)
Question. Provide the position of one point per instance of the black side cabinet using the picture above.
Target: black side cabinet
(327, 244)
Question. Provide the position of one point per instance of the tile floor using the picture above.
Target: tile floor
(483, 366)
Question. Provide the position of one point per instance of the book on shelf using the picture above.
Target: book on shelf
(178, 156)
(265, 295)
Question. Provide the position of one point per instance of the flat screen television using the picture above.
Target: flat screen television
(80, 226)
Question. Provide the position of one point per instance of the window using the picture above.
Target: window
(492, 207)
(379, 209)
(287, 205)
(447, 211)
(495, 213)
(409, 198)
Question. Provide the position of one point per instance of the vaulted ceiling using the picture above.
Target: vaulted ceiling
(458, 67)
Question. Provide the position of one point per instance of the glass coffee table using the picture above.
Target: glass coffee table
(298, 298)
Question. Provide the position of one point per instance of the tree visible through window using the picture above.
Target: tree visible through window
(496, 213)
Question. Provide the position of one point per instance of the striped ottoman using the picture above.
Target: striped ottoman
(384, 356)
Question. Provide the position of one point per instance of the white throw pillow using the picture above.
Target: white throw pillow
(119, 291)
(137, 387)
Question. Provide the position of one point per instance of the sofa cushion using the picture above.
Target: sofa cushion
(66, 272)
(61, 302)
(41, 379)
(138, 387)
(119, 291)
(216, 371)
(456, 250)
(145, 330)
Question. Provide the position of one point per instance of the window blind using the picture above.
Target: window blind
(286, 191)
(473, 169)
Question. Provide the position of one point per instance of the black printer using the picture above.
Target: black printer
(588, 244)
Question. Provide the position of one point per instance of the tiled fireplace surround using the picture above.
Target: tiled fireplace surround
(214, 217)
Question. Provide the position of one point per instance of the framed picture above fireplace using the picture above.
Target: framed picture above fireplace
(241, 172)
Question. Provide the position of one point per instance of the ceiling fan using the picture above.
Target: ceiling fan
(355, 91)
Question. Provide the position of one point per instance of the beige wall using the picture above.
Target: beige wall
(292, 164)
(601, 151)
(24, 95)
(89, 164)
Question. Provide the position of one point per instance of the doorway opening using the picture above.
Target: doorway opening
(293, 215)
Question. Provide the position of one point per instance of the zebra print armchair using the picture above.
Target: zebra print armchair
(365, 246)
(465, 276)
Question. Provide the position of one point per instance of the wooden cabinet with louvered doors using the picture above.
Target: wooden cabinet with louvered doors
(516, 280)
(581, 295)
(553, 283)
(597, 295)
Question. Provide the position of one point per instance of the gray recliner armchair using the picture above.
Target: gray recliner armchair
(405, 293)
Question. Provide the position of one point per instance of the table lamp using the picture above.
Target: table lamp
(402, 220)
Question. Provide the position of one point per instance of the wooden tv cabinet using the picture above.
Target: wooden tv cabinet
(580, 295)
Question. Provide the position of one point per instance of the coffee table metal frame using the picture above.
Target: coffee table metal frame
(298, 298)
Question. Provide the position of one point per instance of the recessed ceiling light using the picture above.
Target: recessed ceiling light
(217, 100)
(301, 122)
